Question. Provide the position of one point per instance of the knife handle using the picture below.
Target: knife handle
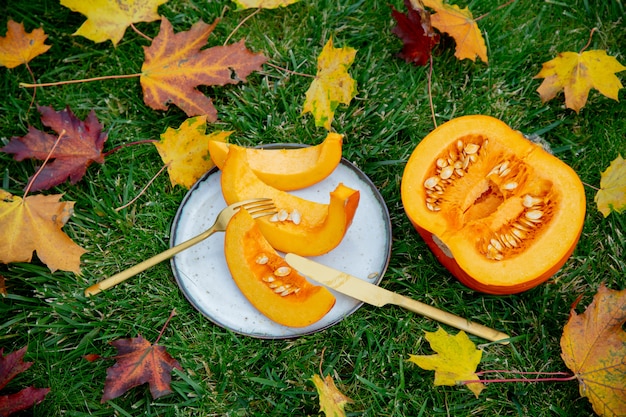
(450, 319)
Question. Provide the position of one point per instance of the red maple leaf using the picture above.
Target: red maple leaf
(10, 366)
(80, 144)
(139, 362)
(416, 33)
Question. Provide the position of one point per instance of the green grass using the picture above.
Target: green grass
(225, 374)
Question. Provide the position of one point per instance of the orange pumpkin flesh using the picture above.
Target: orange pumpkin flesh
(267, 281)
(498, 211)
(319, 228)
(288, 169)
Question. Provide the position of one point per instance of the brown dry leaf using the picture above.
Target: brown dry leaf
(332, 401)
(612, 193)
(175, 65)
(332, 85)
(576, 74)
(456, 360)
(34, 224)
(185, 150)
(19, 47)
(593, 346)
(108, 19)
(460, 24)
(139, 362)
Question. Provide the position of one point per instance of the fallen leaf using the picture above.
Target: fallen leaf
(461, 26)
(416, 33)
(174, 66)
(12, 365)
(108, 19)
(456, 360)
(80, 145)
(185, 150)
(612, 192)
(34, 224)
(19, 47)
(576, 74)
(139, 362)
(332, 85)
(593, 346)
(332, 401)
(263, 4)
(3, 286)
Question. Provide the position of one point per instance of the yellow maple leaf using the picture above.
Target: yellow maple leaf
(612, 192)
(576, 74)
(456, 360)
(34, 224)
(108, 19)
(332, 85)
(185, 150)
(460, 25)
(263, 4)
(19, 47)
(332, 401)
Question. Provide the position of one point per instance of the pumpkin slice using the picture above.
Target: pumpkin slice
(501, 213)
(288, 169)
(267, 281)
(301, 226)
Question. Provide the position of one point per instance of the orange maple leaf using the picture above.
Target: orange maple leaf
(460, 24)
(139, 362)
(19, 47)
(185, 150)
(108, 19)
(34, 224)
(174, 66)
(576, 74)
(593, 346)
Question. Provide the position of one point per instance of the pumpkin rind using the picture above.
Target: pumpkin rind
(507, 220)
(287, 169)
(320, 227)
(267, 281)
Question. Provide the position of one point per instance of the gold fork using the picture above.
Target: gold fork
(257, 207)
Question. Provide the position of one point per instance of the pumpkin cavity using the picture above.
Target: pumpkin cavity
(483, 187)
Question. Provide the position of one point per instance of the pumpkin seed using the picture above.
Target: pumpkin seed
(282, 271)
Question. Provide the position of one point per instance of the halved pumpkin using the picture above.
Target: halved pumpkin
(288, 169)
(301, 226)
(501, 213)
(267, 281)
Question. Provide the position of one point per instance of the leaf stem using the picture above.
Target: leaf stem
(241, 24)
(143, 190)
(34, 177)
(289, 71)
(589, 41)
(503, 380)
(564, 377)
(172, 314)
(84, 80)
(502, 6)
(140, 33)
(125, 145)
(429, 75)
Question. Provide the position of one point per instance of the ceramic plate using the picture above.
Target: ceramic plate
(203, 276)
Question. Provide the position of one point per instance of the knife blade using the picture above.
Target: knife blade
(378, 296)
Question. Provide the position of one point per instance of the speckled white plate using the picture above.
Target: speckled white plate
(203, 276)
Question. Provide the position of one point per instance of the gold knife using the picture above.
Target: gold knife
(377, 296)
